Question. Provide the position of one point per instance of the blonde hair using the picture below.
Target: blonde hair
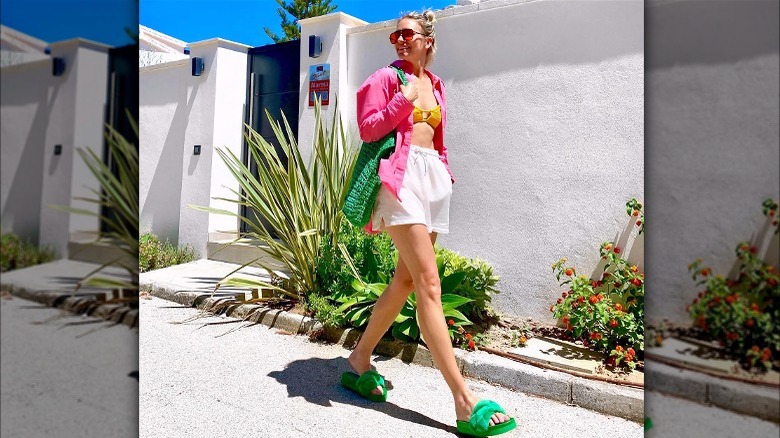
(425, 19)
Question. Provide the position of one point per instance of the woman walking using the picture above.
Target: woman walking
(413, 207)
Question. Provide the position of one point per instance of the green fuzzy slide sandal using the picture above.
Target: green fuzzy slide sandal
(479, 423)
(365, 383)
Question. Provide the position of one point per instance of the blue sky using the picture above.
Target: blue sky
(242, 21)
(103, 21)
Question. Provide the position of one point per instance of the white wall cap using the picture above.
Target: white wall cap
(20, 41)
(80, 43)
(223, 44)
(165, 65)
(340, 16)
(159, 40)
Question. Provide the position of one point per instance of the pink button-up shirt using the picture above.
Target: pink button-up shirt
(382, 107)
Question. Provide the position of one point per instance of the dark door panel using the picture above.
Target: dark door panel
(274, 85)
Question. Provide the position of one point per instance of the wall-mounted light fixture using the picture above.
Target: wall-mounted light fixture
(47, 50)
(57, 66)
(186, 50)
(197, 66)
(57, 149)
(196, 150)
(315, 46)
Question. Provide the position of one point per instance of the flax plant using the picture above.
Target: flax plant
(301, 203)
(118, 193)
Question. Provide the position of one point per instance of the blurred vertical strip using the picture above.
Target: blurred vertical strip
(711, 155)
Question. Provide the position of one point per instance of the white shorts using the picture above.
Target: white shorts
(425, 195)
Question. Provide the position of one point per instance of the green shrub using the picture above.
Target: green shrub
(154, 254)
(374, 257)
(324, 310)
(479, 282)
(16, 253)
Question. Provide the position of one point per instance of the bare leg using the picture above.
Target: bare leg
(386, 309)
(416, 250)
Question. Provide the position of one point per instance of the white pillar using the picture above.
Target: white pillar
(332, 30)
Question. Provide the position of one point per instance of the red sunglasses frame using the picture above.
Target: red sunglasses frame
(395, 36)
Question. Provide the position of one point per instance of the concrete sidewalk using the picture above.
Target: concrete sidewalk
(192, 285)
(66, 375)
(200, 377)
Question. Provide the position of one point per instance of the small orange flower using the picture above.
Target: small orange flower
(631, 351)
(634, 268)
(619, 307)
(472, 344)
(468, 336)
(523, 339)
(451, 322)
(613, 323)
(619, 349)
(569, 272)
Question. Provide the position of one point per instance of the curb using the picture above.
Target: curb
(743, 398)
(601, 397)
(83, 303)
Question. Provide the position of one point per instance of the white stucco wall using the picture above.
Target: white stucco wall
(40, 111)
(164, 108)
(545, 131)
(712, 138)
(333, 31)
(24, 115)
(230, 100)
(178, 111)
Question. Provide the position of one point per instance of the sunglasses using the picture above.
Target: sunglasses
(407, 34)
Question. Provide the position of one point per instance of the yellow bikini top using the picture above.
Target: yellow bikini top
(432, 116)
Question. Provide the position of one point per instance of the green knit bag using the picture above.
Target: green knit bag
(364, 184)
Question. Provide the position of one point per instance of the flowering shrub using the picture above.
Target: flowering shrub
(460, 337)
(740, 313)
(606, 313)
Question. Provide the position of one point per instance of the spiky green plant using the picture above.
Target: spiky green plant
(301, 203)
(118, 192)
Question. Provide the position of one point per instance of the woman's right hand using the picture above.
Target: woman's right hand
(410, 91)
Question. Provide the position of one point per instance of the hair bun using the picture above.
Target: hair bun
(430, 16)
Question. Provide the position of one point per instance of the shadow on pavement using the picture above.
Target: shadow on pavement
(317, 381)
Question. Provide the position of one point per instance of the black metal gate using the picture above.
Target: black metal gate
(273, 85)
(122, 98)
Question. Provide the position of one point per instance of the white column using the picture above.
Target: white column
(332, 30)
